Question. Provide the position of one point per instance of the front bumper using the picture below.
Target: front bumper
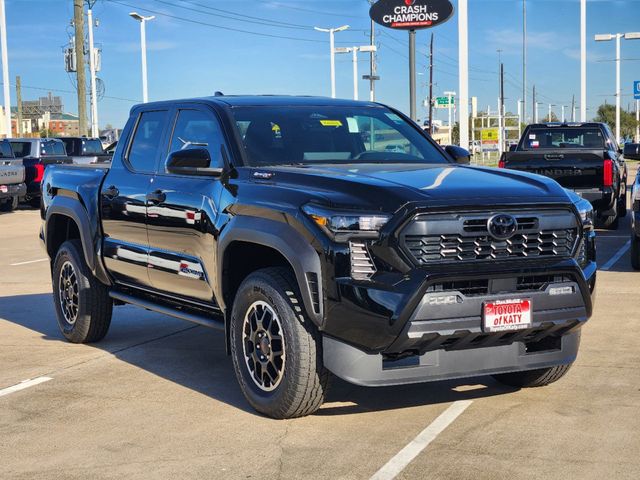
(15, 190)
(357, 367)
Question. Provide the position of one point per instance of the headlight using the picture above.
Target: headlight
(345, 221)
(586, 214)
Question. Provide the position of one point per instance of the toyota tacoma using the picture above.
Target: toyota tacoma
(291, 225)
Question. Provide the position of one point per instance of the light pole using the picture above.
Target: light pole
(92, 70)
(354, 51)
(332, 43)
(564, 117)
(450, 96)
(143, 46)
(5, 69)
(583, 60)
(463, 72)
(551, 105)
(618, 37)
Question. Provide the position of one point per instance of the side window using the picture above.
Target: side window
(146, 141)
(198, 129)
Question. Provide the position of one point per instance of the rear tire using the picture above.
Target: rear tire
(533, 378)
(276, 349)
(635, 252)
(35, 202)
(9, 205)
(622, 203)
(83, 305)
(609, 223)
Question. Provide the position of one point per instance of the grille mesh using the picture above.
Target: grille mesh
(437, 248)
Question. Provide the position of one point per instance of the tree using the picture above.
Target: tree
(607, 114)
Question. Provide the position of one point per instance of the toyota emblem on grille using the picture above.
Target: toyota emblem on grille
(502, 226)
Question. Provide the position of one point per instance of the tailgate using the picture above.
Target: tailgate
(572, 169)
(11, 174)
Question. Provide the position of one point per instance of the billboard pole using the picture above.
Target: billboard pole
(412, 74)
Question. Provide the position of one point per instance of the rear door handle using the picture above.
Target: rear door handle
(156, 197)
(111, 192)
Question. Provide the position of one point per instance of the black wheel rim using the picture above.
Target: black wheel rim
(68, 293)
(263, 346)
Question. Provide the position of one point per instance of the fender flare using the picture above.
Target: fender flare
(71, 208)
(289, 243)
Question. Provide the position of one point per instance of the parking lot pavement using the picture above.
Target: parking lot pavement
(158, 399)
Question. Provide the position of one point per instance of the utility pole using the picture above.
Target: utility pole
(463, 69)
(524, 60)
(638, 121)
(78, 22)
(92, 70)
(535, 106)
(412, 75)
(373, 68)
(573, 109)
(5, 69)
(19, 103)
(583, 60)
(431, 86)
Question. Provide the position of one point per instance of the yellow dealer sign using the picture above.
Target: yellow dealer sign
(490, 135)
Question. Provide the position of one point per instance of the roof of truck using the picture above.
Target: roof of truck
(267, 100)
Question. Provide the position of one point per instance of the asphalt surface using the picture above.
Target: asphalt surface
(158, 399)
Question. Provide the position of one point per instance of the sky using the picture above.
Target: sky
(198, 47)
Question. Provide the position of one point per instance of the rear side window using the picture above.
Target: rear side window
(5, 150)
(198, 129)
(146, 141)
(21, 149)
(559, 138)
(52, 148)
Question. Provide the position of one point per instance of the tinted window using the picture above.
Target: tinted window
(52, 147)
(146, 141)
(555, 138)
(21, 149)
(342, 135)
(5, 150)
(197, 129)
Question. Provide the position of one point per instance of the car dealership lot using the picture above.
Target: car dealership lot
(158, 398)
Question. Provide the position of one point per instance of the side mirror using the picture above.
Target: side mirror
(192, 161)
(460, 155)
(632, 151)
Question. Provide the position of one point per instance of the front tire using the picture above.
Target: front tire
(276, 349)
(533, 378)
(83, 305)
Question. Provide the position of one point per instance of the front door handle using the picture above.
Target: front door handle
(111, 192)
(156, 197)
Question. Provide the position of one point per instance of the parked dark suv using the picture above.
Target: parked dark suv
(289, 224)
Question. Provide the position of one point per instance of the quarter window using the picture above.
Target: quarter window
(146, 141)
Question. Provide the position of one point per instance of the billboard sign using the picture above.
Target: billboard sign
(411, 14)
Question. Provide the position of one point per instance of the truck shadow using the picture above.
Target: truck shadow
(194, 357)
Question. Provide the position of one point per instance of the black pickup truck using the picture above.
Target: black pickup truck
(583, 157)
(83, 150)
(289, 224)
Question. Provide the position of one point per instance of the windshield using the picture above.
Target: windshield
(21, 149)
(555, 138)
(310, 135)
(52, 148)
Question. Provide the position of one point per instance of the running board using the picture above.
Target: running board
(172, 312)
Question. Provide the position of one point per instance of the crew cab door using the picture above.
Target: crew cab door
(124, 199)
(182, 212)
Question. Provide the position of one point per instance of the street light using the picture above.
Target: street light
(551, 105)
(354, 51)
(143, 44)
(607, 37)
(331, 32)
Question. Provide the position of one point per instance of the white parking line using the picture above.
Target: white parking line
(616, 257)
(24, 385)
(27, 263)
(405, 456)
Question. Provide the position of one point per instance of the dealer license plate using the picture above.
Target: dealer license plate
(507, 315)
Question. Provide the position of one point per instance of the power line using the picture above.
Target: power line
(206, 24)
(308, 10)
(59, 90)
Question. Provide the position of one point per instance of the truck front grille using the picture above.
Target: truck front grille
(441, 238)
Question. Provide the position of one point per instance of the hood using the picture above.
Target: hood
(389, 187)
